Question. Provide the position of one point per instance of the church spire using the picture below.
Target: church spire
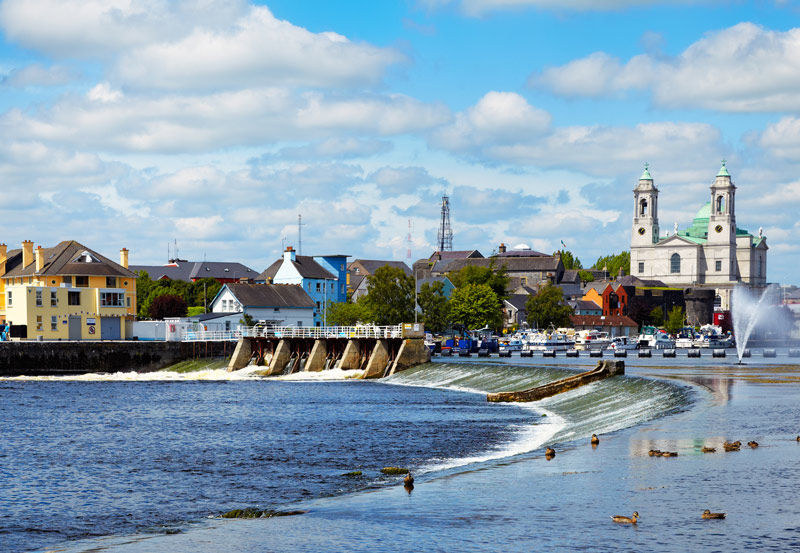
(723, 171)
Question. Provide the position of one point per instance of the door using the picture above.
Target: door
(110, 328)
(74, 327)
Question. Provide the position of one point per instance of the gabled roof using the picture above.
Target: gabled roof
(584, 305)
(70, 258)
(521, 253)
(269, 295)
(517, 301)
(220, 269)
(431, 279)
(356, 280)
(512, 264)
(305, 265)
(369, 266)
(458, 254)
(170, 272)
(630, 280)
(571, 275)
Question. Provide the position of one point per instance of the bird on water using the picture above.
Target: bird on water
(629, 520)
(549, 452)
(708, 514)
(595, 439)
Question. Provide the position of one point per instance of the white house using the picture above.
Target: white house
(280, 304)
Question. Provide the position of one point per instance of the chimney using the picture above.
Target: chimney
(621, 272)
(290, 254)
(39, 259)
(3, 257)
(123, 257)
(27, 253)
(502, 248)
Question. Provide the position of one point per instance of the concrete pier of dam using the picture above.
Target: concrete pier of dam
(377, 351)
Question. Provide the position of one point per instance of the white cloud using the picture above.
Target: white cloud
(258, 50)
(744, 68)
(497, 118)
(338, 147)
(782, 139)
(100, 28)
(38, 75)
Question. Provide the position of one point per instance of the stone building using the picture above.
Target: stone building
(712, 253)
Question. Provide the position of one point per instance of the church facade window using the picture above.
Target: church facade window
(643, 208)
(675, 263)
(718, 265)
(720, 204)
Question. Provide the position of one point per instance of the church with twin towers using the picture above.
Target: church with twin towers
(712, 253)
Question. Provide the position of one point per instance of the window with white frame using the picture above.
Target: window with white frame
(53, 298)
(112, 299)
(53, 322)
(9, 302)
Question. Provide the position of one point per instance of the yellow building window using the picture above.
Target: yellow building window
(53, 322)
(39, 323)
(53, 298)
(39, 298)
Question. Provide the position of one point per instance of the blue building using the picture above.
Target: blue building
(324, 278)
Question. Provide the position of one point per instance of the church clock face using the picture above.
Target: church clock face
(718, 228)
(642, 231)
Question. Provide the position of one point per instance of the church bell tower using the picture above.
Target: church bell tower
(721, 248)
(645, 214)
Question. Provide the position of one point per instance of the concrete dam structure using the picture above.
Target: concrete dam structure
(376, 351)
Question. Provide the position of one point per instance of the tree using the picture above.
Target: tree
(167, 305)
(344, 314)
(585, 276)
(656, 317)
(390, 297)
(434, 305)
(247, 320)
(546, 308)
(497, 279)
(613, 263)
(675, 320)
(475, 306)
(570, 261)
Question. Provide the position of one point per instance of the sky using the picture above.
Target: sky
(215, 124)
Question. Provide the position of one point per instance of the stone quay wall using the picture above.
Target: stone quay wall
(71, 358)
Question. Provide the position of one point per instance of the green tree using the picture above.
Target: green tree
(570, 261)
(200, 297)
(613, 263)
(390, 297)
(195, 310)
(344, 313)
(475, 306)
(434, 305)
(247, 320)
(167, 305)
(585, 276)
(547, 308)
(657, 317)
(144, 285)
(497, 279)
(675, 320)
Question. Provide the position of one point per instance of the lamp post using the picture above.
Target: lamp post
(416, 302)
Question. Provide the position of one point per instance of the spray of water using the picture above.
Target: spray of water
(747, 311)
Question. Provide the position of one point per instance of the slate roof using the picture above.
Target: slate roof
(600, 320)
(305, 265)
(584, 305)
(269, 295)
(517, 301)
(630, 280)
(171, 272)
(63, 260)
(459, 254)
(189, 270)
(512, 264)
(369, 266)
(571, 275)
(521, 253)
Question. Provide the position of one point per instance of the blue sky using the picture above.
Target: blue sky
(216, 123)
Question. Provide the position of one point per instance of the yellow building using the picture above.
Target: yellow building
(68, 292)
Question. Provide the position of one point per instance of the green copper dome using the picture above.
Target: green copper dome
(703, 214)
(646, 174)
(723, 171)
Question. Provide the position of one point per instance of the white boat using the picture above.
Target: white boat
(555, 340)
(623, 342)
(591, 340)
(685, 338)
(655, 339)
(511, 345)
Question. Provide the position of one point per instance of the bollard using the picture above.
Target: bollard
(463, 353)
(526, 353)
(718, 353)
(572, 353)
(668, 352)
(446, 352)
(483, 352)
(504, 353)
(646, 352)
(794, 353)
(745, 353)
(595, 353)
(694, 352)
(769, 353)
(549, 353)
(620, 353)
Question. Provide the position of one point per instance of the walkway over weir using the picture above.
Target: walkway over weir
(280, 332)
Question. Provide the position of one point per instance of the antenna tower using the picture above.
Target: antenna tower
(300, 226)
(445, 236)
(408, 240)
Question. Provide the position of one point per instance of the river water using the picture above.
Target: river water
(148, 462)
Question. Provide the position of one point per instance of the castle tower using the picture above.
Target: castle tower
(721, 248)
(645, 214)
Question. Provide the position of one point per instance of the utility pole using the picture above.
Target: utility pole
(300, 235)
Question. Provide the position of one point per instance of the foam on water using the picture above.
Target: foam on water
(214, 374)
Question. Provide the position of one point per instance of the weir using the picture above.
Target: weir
(604, 369)
(377, 351)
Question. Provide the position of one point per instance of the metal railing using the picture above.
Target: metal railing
(289, 331)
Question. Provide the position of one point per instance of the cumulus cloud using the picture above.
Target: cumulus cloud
(101, 28)
(38, 75)
(497, 118)
(337, 147)
(745, 68)
(258, 50)
(782, 139)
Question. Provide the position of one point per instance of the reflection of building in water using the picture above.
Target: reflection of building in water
(712, 253)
